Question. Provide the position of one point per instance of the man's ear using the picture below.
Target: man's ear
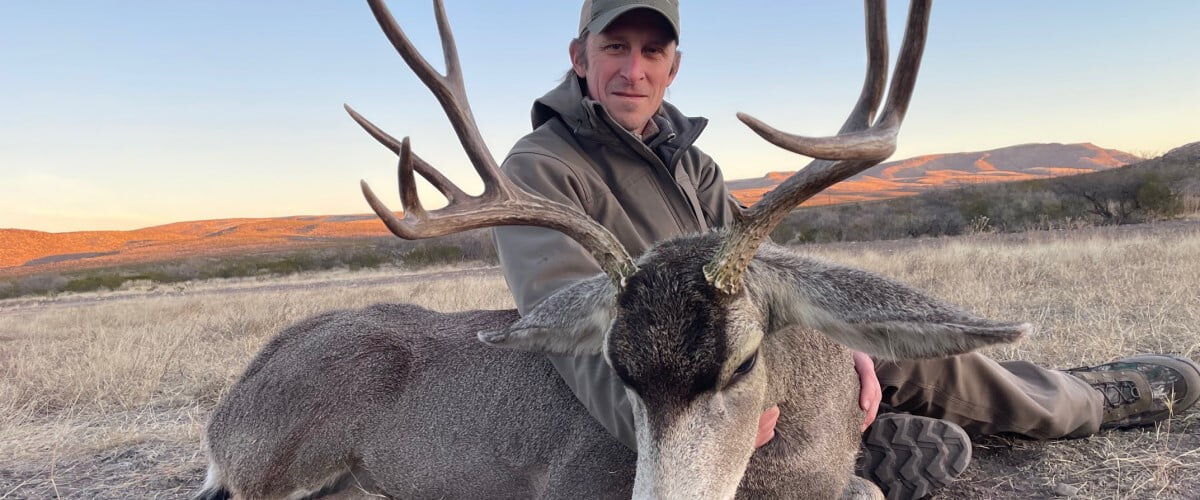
(578, 56)
(865, 311)
(572, 321)
(675, 67)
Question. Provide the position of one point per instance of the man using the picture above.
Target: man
(605, 142)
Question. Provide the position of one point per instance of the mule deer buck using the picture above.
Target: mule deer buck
(706, 331)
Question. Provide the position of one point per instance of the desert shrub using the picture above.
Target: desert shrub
(291, 264)
(1155, 189)
(41, 284)
(156, 276)
(783, 234)
(1156, 197)
(9, 290)
(93, 282)
(477, 245)
(232, 270)
(364, 260)
(430, 255)
(978, 207)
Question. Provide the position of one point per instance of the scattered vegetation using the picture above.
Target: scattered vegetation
(1155, 189)
(108, 399)
(1151, 190)
(382, 252)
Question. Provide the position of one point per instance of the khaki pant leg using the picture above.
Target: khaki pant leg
(988, 397)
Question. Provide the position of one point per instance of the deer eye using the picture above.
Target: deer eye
(746, 365)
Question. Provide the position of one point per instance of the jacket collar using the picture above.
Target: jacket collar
(588, 119)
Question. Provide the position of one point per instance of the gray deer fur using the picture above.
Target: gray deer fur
(408, 403)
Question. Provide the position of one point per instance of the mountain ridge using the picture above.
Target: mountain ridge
(25, 251)
(918, 174)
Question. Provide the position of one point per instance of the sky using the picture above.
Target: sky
(122, 114)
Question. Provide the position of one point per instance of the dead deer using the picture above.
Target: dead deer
(705, 331)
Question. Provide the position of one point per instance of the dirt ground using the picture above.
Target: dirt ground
(106, 396)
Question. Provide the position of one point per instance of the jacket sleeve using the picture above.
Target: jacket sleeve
(537, 261)
(716, 200)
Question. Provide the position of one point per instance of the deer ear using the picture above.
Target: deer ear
(865, 311)
(572, 321)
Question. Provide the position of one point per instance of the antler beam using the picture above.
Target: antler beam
(502, 202)
(857, 147)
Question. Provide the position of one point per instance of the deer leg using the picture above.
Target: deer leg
(861, 489)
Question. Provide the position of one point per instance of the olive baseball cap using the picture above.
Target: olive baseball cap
(598, 14)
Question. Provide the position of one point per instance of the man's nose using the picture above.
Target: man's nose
(634, 68)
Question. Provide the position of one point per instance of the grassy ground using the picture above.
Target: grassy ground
(109, 398)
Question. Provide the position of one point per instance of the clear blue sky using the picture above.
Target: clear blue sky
(123, 114)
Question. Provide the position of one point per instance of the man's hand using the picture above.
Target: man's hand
(766, 426)
(870, 394)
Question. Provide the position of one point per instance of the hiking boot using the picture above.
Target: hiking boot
(909, 456)
(1142, 390)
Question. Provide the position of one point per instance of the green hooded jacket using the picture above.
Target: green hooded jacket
(643, 191)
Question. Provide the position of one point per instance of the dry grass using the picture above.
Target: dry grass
(1093, 294)
(108, 399)
(91, 389)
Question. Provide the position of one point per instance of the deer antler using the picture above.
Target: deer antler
(857, 147)
(502, 202)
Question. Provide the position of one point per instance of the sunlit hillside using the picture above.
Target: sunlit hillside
(917, 175)
(24, 252)
(28, 252)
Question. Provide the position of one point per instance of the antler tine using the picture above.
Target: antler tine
(852, 141)
(502, 202)
(869, 143)
(857, 149)
(877, 60)
(447, 187)
(476, 213)
(904, 79)
(449, 90)
(408, 185)
(449, 49)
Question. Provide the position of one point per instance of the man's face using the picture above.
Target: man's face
(629, 66)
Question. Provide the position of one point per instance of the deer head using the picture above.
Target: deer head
(684, 325)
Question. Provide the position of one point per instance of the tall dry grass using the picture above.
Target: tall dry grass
(105, 399)
(1091, 298)
(173, 351)
(82, 385)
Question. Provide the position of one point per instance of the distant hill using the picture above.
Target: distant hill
(25, 252)
(28, 252)
(1149, 190)
(916, 175)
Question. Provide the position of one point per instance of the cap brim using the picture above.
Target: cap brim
(600, 23)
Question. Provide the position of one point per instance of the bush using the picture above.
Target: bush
(430, 255)
(366, 260)
(41, 284)
(9, 290)
(94, 282)
(1150, 190)
(1155, 196)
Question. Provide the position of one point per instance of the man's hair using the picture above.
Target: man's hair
(581, 45)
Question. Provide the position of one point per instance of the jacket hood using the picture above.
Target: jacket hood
(588, 118)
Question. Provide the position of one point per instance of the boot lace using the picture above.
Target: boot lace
(1118, 393)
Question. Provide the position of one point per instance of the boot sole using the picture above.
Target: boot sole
(1188, 369)
(909, 456)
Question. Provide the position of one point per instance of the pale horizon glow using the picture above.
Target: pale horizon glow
(122, 115)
